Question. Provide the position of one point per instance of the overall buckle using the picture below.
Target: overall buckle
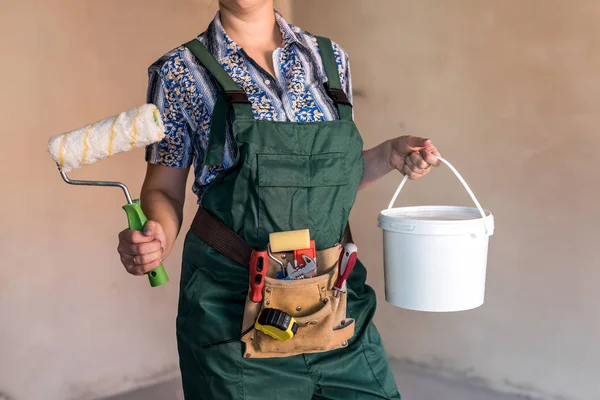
(236, 96)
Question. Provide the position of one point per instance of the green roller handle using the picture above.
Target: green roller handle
(137, 220)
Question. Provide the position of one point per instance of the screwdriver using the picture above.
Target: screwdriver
(346, 265)
(258, 270)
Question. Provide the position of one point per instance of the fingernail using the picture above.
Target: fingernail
(147, 230)
(162, 259)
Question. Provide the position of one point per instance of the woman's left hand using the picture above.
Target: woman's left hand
(413, 156)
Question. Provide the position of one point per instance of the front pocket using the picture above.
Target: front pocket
(292, 187)
(283, 170)
(293, 170)
(312, 305)
(328, 170)
(300, 297)
(315, 332)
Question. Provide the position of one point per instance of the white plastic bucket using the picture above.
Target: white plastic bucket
(435, 257)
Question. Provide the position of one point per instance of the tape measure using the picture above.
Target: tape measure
(277, 324)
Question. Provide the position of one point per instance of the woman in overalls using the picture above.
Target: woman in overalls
(262, 111)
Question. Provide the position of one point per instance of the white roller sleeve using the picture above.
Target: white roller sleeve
(123, 132)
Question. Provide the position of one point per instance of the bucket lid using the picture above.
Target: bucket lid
(436, 220)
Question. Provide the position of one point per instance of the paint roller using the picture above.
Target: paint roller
(126, 131)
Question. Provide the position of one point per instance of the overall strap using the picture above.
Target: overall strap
(334, 86)
(231, 96)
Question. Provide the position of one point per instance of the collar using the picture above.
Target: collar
(223, 46)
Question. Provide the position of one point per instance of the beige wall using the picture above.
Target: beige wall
(73, 325)
(509, 91)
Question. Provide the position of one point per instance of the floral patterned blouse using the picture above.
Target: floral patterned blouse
(185, 93)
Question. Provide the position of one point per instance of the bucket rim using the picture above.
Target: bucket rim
(475, 225)
(476, 214)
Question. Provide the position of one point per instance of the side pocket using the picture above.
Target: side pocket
(187, 297)
(189, 276)
(380, 368)
(251, 311)
(344, 331)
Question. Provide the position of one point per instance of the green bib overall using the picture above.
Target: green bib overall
(286, 176)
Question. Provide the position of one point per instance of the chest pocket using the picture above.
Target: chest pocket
(280, 170)
(299, 191)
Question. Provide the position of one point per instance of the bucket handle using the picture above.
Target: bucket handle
(464, 183)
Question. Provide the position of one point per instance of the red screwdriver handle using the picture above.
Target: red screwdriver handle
(258, 270)
(346, 264)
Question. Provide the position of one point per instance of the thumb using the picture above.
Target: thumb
(152, 228)
(415, 143)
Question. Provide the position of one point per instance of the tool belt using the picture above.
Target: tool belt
(321, 316)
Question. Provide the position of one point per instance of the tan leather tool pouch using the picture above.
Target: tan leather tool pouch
(321, 317)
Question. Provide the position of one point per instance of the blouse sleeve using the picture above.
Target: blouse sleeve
(175, 149)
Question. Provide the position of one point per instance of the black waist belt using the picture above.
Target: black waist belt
(224, 240)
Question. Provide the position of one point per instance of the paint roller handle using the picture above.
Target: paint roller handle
(137, 220)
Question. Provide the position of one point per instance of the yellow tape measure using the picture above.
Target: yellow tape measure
(277, 324)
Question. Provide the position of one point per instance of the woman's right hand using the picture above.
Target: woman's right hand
(141, 252)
